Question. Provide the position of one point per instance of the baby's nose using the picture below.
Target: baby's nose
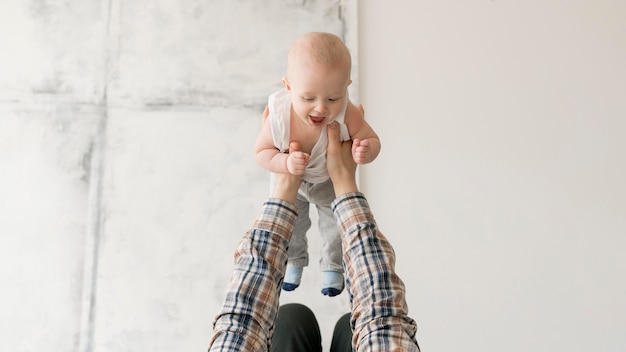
(320, 106)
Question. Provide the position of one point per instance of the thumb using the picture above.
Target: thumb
(333, 137)
(333, 133)
(294, 147)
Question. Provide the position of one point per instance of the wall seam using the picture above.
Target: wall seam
(95, 213)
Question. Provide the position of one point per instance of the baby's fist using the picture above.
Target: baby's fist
(361, 151)
(297, 159)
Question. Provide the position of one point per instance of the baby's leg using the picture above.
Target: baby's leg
(331, 256)
(298, 246)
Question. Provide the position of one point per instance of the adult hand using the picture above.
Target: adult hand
(287, 184)
(339, 162)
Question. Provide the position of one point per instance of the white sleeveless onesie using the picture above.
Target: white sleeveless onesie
(279, 104)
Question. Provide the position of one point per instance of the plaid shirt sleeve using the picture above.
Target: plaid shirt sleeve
(246, 321)
(379, 320)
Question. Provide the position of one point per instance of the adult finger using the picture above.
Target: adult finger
(294, 147)
(334, 141)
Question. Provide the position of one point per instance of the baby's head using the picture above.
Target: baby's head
(320, 51)
(318, 75)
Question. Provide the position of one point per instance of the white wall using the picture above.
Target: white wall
(501, 178)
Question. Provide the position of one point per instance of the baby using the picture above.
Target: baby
(315, 94)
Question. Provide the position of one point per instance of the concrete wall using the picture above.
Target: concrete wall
(501, 176)
(126, 132)
(126, 179)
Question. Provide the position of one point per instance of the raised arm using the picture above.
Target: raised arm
(246, 320)
(269, 157)
(366, 144)
(379, 317)
(265, 152)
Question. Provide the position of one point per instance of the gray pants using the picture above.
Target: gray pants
(322, 195)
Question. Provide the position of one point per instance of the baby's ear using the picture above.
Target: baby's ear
(286, 83)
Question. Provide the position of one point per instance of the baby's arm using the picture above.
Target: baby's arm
(365, 142)
(269, 157)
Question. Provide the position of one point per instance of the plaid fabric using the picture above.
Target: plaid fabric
(379, 312)
(379, 320)
(246, 320)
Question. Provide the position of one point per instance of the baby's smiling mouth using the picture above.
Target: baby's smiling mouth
(317, 119)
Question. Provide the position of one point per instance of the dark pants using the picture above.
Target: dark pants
(296, 330)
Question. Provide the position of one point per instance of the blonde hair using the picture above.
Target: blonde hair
(322, 48)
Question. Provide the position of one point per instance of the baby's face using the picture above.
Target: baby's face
(318, 94)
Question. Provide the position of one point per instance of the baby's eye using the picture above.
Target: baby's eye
(332, 99)
(308, 99)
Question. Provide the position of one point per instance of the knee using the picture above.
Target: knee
(296, 329)
(295, 310)
(342, 335)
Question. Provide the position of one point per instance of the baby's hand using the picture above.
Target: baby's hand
(361, 151)
(297, 160)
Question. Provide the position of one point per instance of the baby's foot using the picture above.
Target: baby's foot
(333, 283)
(293, 275)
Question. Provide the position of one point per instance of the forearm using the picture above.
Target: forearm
(247, 316)
(376, 292)
(272, 160)
(344, 185)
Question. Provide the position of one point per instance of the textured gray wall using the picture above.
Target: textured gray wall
(126, 132)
